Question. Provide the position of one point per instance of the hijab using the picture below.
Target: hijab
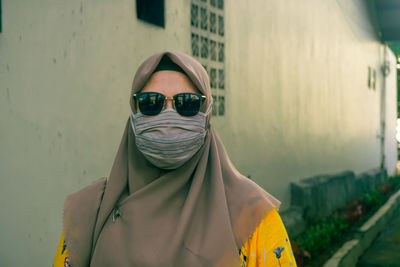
(199, 214)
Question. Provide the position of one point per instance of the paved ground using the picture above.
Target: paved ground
(385, 250)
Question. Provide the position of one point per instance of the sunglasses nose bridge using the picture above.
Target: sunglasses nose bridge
(169, 104)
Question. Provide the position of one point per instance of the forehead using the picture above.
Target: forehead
(169, 83)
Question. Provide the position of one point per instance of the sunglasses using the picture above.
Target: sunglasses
(186, 104)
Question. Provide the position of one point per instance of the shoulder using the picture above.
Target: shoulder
(246, 191)
(79, 218)
(83, 202)
(94, 190)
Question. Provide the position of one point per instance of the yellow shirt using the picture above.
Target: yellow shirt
(269, 246)
(61, 259)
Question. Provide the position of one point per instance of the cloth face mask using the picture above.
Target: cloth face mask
(168, 140)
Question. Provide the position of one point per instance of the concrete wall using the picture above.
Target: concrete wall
(66, 69)
(300, 103)
(297, 101)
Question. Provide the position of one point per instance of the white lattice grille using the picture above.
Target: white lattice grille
(208, 46)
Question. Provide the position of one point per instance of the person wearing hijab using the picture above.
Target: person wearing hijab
(173, 197)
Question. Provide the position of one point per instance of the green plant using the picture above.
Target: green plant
(395, 46)
(319, 236)
(372, 198)
(322, 235)
(395, 181)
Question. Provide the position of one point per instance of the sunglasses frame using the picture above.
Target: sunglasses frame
(172, 98)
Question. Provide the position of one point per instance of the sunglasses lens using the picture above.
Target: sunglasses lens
(187, 104)
(150, 103)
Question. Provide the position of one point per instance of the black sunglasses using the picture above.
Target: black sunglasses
(186, 104)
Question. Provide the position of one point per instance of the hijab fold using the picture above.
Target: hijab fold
(199, 214)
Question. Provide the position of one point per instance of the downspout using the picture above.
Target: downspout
(385, 69)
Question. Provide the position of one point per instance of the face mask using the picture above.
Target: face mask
(168, 140)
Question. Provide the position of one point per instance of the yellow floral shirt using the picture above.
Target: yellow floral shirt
(61, 259)
(269, 246)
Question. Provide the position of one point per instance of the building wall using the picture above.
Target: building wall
(300, 103)
(66, 68)
(297, 99)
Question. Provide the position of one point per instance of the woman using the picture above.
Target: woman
(173, 198)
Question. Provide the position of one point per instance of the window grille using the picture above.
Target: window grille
(208, 46)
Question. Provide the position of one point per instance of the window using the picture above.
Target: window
(151, 11)
(208, 46)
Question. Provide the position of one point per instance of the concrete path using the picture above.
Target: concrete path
(385, 250)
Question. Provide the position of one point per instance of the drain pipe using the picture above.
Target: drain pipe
(385, 69)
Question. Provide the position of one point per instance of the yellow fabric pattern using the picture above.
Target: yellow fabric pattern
(61, 259)
(269, 245)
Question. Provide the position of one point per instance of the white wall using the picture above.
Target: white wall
(300, 103)
(297, 99)
(66, 69)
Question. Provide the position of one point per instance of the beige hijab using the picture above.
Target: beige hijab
(200, 214)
